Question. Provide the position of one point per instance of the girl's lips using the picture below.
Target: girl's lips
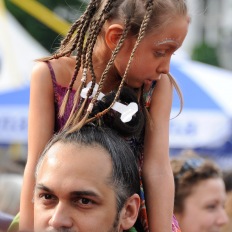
(148, 82)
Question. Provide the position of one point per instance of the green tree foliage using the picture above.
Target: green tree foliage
(205, 53)
(69, 10)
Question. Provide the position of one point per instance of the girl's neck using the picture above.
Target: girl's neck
(112, 79)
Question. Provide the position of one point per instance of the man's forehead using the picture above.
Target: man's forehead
(68, 163)
(93, 153)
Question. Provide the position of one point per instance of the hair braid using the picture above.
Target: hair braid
(95, 28)
(79, 22)
(98, 26)
(76, 27)
(74, 118)
(110, 63)
(179, 93)
(64, 48)
(114, 54)
(149, 9)
(78, 45)
(76, 70)
(85, 119)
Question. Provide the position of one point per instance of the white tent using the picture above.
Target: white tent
(18, 50)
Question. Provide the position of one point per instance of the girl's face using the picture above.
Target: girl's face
(204, 208)
(153, 55)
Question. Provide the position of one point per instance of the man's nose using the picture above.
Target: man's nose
(222, 217)
(61, 217)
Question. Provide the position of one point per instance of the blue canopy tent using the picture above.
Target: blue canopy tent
(14, 115)
(205, 124)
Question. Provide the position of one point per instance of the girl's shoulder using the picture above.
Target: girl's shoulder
(161, 99)
(59, 69)
(63, 63)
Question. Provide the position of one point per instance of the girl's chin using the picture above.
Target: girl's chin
(134, 85)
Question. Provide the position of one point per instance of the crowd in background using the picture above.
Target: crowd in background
(192, 173)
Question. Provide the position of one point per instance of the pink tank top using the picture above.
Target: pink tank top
(59, 93)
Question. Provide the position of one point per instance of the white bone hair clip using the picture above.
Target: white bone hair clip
(126, 111)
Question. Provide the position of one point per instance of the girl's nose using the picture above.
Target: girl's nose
(164, 67)
(61, 217)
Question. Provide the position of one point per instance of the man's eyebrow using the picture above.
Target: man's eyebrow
(84, 193)
(80, 193)
(43, 187)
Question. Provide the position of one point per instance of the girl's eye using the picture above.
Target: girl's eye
(159, 53)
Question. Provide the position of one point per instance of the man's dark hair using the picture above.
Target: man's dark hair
(125, 173)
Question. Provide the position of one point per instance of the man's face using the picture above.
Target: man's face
(73, 192)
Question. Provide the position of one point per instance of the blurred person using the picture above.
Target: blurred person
(228, 206)
(199, 194)
(5, 221)
(10, 188)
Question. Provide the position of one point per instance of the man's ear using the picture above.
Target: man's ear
(129, 213)
(112, 35)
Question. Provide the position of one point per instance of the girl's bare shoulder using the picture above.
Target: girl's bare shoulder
(161, 101)
(63, 69)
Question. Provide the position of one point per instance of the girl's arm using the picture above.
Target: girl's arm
(40, 130)
(157, 173)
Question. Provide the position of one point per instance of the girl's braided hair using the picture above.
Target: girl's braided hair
(139, 17)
